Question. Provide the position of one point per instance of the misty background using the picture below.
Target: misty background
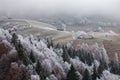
(75, 14)
(34, 8)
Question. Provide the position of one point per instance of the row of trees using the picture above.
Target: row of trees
(84, 56)
(88, 58)
(27, 58)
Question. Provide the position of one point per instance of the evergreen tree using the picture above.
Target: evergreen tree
(39, 70)
(58, 46)
(65, 55)
(22, 54)
(25, 74)
(51, 43)
(72, 75)
(86, 75)
(14, 39)
(70, 52)
(100, 70)
(48, 43)
(95, 74)
(32, 57)
(85, 57)
(114, 67)
(38, 67)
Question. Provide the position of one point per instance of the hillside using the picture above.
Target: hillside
(28, 58)
(30, 48)
(85, 23)
(27, 27)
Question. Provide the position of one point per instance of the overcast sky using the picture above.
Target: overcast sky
(104, 7)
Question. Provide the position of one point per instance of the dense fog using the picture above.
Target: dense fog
(50, 7)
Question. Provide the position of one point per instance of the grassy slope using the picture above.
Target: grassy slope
(111, 43)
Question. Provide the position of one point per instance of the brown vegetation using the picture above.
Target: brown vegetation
(4, 49)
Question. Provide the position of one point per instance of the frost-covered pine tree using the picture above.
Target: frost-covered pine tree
(72, 75)
(32, 57)
(39, 70)
(87, 75)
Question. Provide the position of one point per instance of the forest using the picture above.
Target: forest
(37, 58)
